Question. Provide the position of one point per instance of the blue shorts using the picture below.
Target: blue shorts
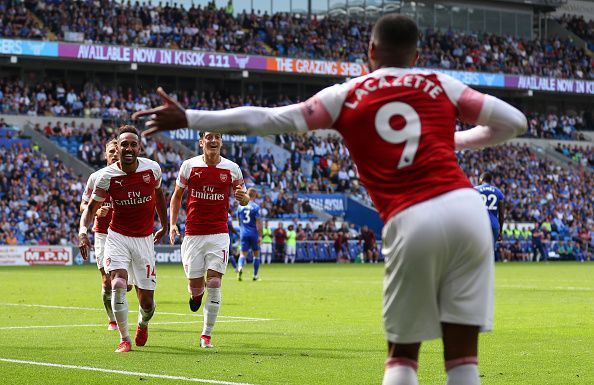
(250, 243)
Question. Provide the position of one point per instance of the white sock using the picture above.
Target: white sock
(400, 375)
(466, 374)
(119, 304)
(106, 295)
(211, 309)
(145, 316)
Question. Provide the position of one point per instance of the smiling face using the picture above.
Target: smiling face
(129, 146)
(211, 144)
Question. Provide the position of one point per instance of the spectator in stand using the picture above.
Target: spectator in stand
(538, 249)
(291, 239)
(280, 239)
(367, 239)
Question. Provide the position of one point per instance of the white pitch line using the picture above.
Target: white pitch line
(123, 372)
(99, 325)
(131, 311)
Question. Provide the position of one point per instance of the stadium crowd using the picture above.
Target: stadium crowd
(582, 155)
(40, 198)
(553, 199)
(92, 100)
(537, 191)
(282, 34)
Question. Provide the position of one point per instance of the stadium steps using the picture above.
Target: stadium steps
(554, 28)
(545, 149)
(50, 35)
(52, 149)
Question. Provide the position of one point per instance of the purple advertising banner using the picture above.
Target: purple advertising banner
(549, 84)
(298, 66)
(160, 56)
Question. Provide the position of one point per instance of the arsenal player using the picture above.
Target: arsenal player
(134, 185)
(398, 123)
(209, 179)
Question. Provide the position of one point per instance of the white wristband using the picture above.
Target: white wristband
(82, 230)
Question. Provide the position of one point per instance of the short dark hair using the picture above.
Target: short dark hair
(128, 129)
(486, 177)
(396, 35)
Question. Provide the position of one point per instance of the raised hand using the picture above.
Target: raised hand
(168, 116)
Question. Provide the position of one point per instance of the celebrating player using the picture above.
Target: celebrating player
(250, 233)
(102, 219)
(209, 179)
(134, 185)
(398, 123)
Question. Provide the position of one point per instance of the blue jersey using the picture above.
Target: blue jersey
(492, 198)
(247, 216)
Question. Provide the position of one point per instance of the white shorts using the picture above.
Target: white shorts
(99, 249)
(439, 267)
(205, 252)
(291, 250)
(266, 248)
(136, 255)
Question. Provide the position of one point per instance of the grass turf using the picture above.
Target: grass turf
(324, 328)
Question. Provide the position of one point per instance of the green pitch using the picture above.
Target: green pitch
(302, 324)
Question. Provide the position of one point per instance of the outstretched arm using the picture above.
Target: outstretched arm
(242, 120)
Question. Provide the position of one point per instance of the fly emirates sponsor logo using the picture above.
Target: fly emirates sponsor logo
(208, 193)
(411, 81)
(134, 198)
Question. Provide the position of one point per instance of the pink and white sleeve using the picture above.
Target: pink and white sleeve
(236, 176)
(86, 196)
(101, 187)
(184, 175)
(158, 175)
(497, 120)
(323, 109)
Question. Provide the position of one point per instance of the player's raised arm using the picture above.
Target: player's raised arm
(317, 112)
(497, 121)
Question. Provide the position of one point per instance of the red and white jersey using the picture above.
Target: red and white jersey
(101, 223)
(132, 196)
(208, 187)
(399, 125)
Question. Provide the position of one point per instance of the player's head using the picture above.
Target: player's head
(393, 42)
(486, 177)
(211, 143)
(291, 227)
(111, 152)
(128, 144)
(252, 193)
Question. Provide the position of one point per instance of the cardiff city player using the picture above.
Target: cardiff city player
(250, 233)
(494, 202)
(134, 185)
(398, 123)
(209, 178)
